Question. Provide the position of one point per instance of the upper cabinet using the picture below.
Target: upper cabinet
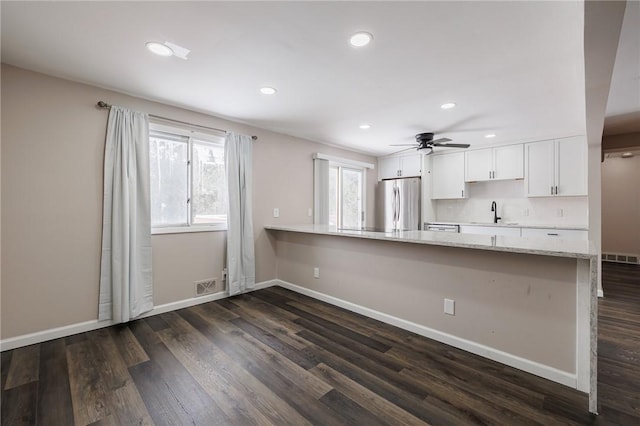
(408, 165)
(448, 176)
(556, 167)
(499, 163)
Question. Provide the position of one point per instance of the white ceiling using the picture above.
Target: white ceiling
(514, 68)
(623, 107)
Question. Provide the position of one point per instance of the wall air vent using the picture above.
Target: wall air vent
(204, 287)
(621, 258)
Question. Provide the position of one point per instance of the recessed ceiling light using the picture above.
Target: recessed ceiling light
(267, 90)
(627, 155)
(360, 39)
(448, 105)
(159, 49)
(365, 126)
(490, 135)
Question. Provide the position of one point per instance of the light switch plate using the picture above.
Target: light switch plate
(316, 272)
(449, 306)
(276, 212)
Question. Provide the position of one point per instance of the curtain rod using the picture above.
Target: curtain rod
(102, 104)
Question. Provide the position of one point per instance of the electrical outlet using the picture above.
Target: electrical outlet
(560, 212)
(316, 272)
(276, 212)
(525, 212)
(449, 306)
(310, 212)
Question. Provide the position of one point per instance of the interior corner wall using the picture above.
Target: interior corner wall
(621, 205)
(51, 201)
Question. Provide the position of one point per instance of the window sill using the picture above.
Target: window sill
(186, 229)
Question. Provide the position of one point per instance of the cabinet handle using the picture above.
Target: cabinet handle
(463, 193)
(556, 190)
(551, 189)
(489, 174)
(552, 234)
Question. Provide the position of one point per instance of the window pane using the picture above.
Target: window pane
(168, 163)
(333, 196)
(209, 199)
(351, 198)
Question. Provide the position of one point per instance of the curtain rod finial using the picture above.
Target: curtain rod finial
(103, 104)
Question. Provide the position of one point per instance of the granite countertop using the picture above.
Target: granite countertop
(540, 246)
(513, 225)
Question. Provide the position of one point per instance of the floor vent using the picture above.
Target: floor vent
(203, 287)
(620, 258)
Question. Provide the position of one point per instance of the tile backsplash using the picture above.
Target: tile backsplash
(513, 206)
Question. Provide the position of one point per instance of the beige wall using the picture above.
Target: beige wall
(53, 142)
(621, 142)
(621, 205)
(521, 304)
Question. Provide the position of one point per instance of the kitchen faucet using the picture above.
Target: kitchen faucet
(494, 209)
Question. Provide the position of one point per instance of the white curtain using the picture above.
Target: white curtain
(126, 288)
(238, 157)
(320, 191)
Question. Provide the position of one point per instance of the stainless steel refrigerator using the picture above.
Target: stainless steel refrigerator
(398, 204)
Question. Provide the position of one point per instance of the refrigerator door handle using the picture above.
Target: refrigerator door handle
(395, 204)
(399, 205)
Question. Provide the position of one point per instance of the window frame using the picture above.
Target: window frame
(207, 138)
(340, 166)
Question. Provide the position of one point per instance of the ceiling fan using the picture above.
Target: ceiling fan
(426, 141)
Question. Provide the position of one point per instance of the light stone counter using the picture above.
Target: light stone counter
(541, 246)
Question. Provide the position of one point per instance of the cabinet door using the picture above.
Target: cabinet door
(508, 162)
(411, 165)
(490, 230)
(571, 163)
(478, 165)
(540, 168)
(448, 176)
(563, 234)
(388, 167)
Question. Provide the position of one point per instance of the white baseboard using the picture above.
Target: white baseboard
(82, 327)
(545, 371)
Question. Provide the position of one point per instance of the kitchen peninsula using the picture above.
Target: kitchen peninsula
(526, 302)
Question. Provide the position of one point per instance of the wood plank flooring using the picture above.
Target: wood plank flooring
(277, 357)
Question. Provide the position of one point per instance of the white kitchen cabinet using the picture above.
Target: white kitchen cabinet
(448, 176)
(556, 167)
(408, 165)
(516, 231)
(478, 165)
(564, 234)
(490, 230)
(498, 163)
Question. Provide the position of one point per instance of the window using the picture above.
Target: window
(346, 208)
(188, 180)
(339, 191)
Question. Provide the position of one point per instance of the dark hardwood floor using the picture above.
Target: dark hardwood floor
(276, 357)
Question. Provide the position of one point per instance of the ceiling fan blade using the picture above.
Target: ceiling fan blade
(440, 140)
(403, 144)
(452, 145)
